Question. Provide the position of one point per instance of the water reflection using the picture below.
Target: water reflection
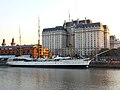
(105, 79)
(59, 79)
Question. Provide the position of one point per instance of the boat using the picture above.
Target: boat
(58, 62)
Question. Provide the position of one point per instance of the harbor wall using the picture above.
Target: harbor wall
(105, 64)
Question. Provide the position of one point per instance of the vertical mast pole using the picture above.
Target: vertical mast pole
(19, 36)
(70, 43)
(20, 41)
(69, 16)
(38, 38)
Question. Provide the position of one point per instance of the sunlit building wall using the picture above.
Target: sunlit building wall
(54, 39)
(86, 37)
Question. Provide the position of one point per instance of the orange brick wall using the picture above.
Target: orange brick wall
(30, 50)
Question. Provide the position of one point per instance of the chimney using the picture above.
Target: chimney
(3, 43)
(12, 43)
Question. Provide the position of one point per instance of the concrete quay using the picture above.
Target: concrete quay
(105, 64)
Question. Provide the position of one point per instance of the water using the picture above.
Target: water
(12, 78)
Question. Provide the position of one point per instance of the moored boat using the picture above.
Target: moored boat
(58, 62)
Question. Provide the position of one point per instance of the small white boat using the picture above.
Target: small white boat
(58, 62)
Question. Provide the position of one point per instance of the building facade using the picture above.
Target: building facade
(31, 50)
(81, 37)
(106, 36)
(114, 43)
(55, 39)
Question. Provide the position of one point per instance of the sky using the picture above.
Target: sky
(25, 13)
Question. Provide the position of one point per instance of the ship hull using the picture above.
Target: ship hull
(53, 66)
(21, 62)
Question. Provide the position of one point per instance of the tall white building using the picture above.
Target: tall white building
(87, 38)
(54, 39)
(106, 37)
(90, 38)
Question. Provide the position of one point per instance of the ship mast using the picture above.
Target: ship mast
(38, 38)
(20, 41)
(70, 40)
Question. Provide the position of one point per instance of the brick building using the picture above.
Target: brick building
(31, 50)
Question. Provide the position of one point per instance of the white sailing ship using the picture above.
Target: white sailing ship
(58, 62)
